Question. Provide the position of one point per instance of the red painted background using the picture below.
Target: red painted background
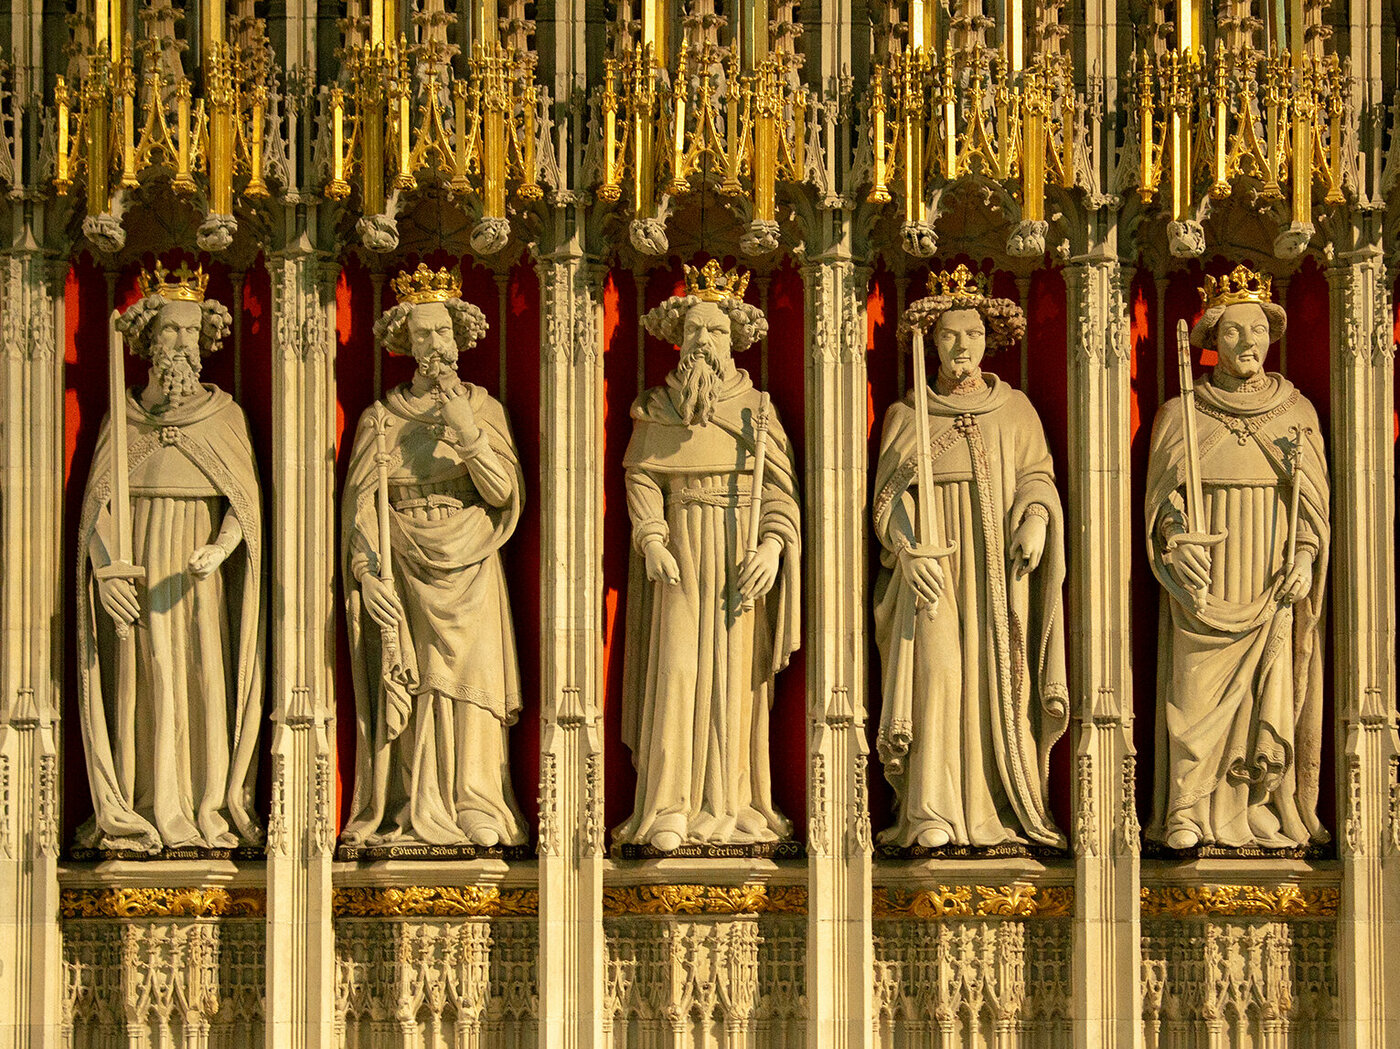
(623, 341)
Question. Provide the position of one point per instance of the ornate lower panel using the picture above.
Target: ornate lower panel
(973, 982)
(421, 983)
(181, 984)
(693, 982)
(1236, 981)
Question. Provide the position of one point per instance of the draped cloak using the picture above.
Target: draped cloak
(698, 675)
(1239, 685)
(170, 715)
(975, 697)
(430, 727)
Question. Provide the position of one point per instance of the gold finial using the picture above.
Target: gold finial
(423, 285)
(187, 286)
(1240, 285)
(711, 283)
(959, 281)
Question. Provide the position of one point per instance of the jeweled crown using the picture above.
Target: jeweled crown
(187, 286)
(711, 283)
(425, 285)
(958, 281)
(1241, 284)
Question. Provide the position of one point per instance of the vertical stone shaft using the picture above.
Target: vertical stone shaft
(1363, 593)
(301, 822)
(571, 958)
(1104, 835)
(839, 946)
(31, 473)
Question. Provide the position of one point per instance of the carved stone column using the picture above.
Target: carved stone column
(301, 820)
(571, 959)
(1104, 838)
(31, 477)
(1363, 562)
(839, 952)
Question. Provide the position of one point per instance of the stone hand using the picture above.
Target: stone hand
(760, 570)
(925, 574)
(661, 565)
(457, 411)
(1299, 581)
(1028, 545)
(207, 558)
(1191, 565)
(119, 599)
(381, 601)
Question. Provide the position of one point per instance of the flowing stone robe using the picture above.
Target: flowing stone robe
(975, 697)
(430, 729)
(170, 716)
(698, 676)
(1239, 679)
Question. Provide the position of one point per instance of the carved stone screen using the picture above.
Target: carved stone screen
(699, 523)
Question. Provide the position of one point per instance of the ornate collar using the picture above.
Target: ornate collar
(947, 386)
(1231, 384)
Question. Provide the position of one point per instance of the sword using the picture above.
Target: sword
(760, 462)
(928, 544)
(120, 566)
(1196, 526)
(389, 636)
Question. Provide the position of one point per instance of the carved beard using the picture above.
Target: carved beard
(177, 376)
(437, 366)
(701, 374)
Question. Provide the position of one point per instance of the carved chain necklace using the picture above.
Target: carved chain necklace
(948, 385)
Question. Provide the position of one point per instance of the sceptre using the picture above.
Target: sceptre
(927, 545)
(120, 566)
(760, 463)
(1196, 532)
(389, 637)
(1295, 462)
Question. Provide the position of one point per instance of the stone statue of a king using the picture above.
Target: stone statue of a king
(171, 657)
(433, 492)
(713, 602)
(1237, 535)
(968, 608)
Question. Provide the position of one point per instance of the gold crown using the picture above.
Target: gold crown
(1240, 285)
(959, 281)
(712, 284)
(423, 285)
(187, 286)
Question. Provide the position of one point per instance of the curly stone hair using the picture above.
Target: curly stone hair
(1005, 320)
(135, 324)
(468, 326)
(747, 324)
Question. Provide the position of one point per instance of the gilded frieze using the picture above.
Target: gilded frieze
(163, 903)
(1243, 901)
(704, 899)
(982, 901)
(436, 901)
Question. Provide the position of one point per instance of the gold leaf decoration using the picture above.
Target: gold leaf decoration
(163, 903)
(436, 901)
(1244, 901)
(992, 901)
(705, 899)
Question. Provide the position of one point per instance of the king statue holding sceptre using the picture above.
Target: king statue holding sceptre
(1237, 535)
